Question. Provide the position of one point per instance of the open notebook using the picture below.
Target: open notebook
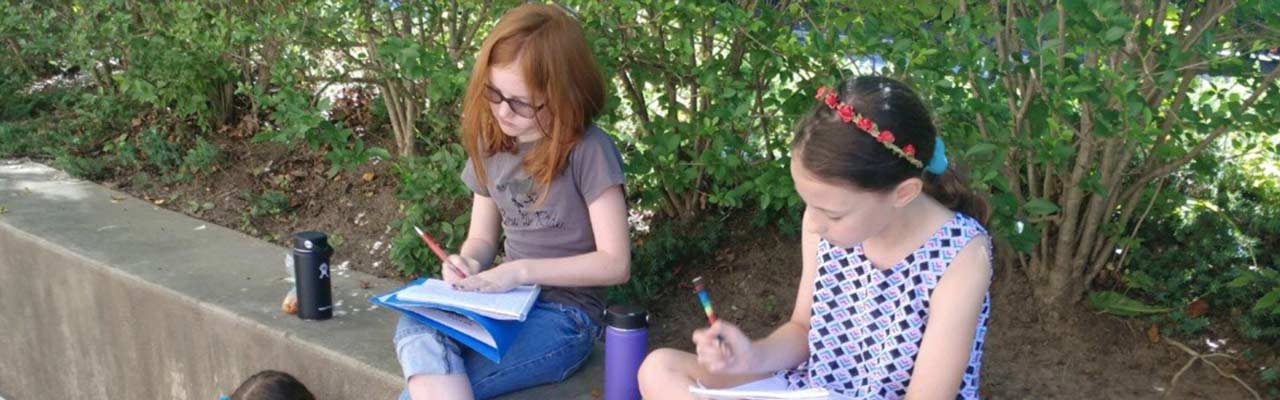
(514, 304)
(765, 389)
(486, 322)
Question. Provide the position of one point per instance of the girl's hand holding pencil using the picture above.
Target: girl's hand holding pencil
(722, 347)
(464, 272)
(458, 267)
(454, 267)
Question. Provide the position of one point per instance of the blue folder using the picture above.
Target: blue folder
(503, 331)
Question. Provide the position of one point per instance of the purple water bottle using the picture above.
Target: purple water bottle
(626, 342)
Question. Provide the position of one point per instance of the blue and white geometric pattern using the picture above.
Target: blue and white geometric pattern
(866, 324)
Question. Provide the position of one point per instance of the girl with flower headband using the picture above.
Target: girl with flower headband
(892, 243)
(548, 188)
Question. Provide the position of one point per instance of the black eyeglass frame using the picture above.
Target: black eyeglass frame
(517, 106)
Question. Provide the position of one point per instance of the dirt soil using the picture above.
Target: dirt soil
(752, 281)
(355, 208)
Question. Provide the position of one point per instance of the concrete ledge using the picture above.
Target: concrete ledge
(107, 296)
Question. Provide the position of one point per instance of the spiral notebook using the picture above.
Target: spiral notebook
(486, 322)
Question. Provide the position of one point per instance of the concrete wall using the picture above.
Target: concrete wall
(103, 296)
(108, 297)
(80, 330)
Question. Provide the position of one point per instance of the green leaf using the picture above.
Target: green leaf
(981, 149)
(379, 152)
(1114, 34)
(1119, 304)
(1268, 301)
(1040, 207)
(1241, 281)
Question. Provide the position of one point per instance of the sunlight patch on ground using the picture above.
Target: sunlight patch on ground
(41, 185)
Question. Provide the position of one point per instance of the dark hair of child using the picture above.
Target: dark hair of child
(272, 385)
(839, 152)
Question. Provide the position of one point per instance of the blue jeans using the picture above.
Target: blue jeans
(555, 341)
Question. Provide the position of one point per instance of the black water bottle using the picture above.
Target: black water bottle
(311, 253)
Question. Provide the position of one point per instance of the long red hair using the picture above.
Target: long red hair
(560, 72)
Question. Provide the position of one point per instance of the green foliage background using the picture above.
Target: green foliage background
(1131, 145)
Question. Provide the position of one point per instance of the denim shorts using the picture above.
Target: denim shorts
(554, 342)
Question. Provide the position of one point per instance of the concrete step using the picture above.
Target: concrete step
(107, 296)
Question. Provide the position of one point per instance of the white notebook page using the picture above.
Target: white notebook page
(764, 389)
(509, 305)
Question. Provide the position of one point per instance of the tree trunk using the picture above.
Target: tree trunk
(1055, 287)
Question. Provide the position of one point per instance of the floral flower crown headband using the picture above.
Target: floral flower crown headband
(937, 164)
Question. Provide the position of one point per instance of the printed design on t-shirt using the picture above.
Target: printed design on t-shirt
(524, 196)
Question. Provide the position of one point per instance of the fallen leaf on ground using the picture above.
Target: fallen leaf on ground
(368, 176)
(116, 199)
(1153, 334)
(1197, 308)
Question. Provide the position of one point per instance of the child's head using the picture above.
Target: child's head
(851, 180)
(272, 385)
(534, 78)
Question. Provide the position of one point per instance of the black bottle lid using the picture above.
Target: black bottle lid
(310, 240)
(626, 316)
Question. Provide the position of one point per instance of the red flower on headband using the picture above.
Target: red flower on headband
(909, 149)
(822, 93)
(845, 112)
(864, 123)
(885, 137)
(832, 101)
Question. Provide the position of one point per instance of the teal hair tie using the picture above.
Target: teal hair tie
(937, 163)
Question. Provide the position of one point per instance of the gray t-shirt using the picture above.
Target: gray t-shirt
(560, 226)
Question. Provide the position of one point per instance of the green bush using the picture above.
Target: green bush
(26, 139)
(268, 203)
(90, 168)
(202, 157)
(655, 254)
(78, 140)
(298, 119)
(30, 35)
(1217, 239)
(157, 151)
(433, 197)
(704, 109)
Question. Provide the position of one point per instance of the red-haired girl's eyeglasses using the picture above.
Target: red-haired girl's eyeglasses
(519, 107)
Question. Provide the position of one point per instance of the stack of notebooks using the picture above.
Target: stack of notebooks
(486, 322)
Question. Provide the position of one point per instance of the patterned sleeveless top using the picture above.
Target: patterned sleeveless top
(866, 324)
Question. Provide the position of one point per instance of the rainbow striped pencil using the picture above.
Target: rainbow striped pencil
(705, 299)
